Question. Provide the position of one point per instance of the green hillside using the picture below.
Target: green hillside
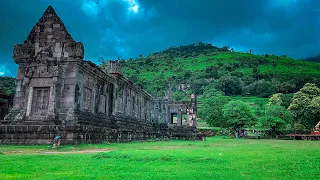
(201, 66)
(219, 76)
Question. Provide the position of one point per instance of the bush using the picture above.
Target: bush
(261, 88)
(230, 85)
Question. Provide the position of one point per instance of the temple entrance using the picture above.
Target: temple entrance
(40, 101)
(174, 118)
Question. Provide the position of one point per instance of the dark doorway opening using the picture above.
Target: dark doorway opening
(174, 118)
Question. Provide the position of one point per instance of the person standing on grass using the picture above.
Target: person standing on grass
(56, 142)
(259, 135)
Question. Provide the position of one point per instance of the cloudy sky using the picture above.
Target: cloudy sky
(126, 28)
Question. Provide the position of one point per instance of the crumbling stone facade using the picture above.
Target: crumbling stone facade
(5, 104)
(59, 93)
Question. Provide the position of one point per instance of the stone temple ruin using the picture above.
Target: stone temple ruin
(59, 93)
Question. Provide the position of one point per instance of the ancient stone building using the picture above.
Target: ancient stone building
(59, 93)
(5, 104)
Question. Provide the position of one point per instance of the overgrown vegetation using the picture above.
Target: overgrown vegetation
(199, 66)
(220, 76)
(7, 85)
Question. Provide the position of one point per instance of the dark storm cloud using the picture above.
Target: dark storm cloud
(126, 28)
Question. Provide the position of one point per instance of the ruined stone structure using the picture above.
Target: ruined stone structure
(59, 93)
(178, 109)
(5, 104)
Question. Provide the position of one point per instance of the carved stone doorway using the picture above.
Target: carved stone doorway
(40, 101)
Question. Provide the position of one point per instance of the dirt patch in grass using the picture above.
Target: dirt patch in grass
(78, 152)
(87, 151)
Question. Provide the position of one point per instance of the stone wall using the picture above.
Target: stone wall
(59, 93)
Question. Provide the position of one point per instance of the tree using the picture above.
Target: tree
(275, 99)
(277, 117)
(198, 84)
(305, 105)
(238, 115)
(261, 88)
(211, 72)
(314, 107)
(287, 87)
(286, 100)
(211, 111)
(7, 85)
(225, 48)
(230, 85)
(264, 88)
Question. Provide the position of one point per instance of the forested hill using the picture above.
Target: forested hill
(7, 85)
(204, 67)
(314, 59)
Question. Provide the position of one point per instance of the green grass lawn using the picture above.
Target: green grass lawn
(216, 158)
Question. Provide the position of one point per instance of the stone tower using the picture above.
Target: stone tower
(112, 67)
(47, 71)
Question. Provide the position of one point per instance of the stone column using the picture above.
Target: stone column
(52, 102)
(29, 103)
(115, 99)
(194, 120)
(179, 116)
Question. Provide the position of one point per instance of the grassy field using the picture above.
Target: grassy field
(216, 158)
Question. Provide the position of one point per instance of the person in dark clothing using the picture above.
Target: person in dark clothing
(56, 142)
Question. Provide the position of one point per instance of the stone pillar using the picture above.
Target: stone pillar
(179, 116)
(115, 99)
(29, 103)
(93, 100)
(194, 120)
(52, 102)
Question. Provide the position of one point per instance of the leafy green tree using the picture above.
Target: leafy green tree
(238, 115)
(211, 72)
(275, 99)
(7, 85)
(198, 84)
(261, 88)
(314, 106)
(264, 88)
(277, 117)
(187, 74)
(299, 128)
(230, 85)
(210, 92)
(287, 87)
(211, 111)
(305, 105)
(286, 100)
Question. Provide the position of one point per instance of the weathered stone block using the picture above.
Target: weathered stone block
(56, 26)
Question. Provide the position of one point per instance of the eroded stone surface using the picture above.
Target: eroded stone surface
(59, 93)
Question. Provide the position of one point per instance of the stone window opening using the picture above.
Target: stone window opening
(174, 118)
